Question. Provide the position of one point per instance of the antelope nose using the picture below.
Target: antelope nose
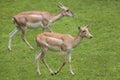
(91, 37)
(73, 15)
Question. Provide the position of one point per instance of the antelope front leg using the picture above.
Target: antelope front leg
(70, 65)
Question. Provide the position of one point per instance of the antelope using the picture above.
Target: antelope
(63, 43)
(34, 19)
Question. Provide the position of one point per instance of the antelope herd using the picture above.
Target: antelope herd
(48, 40)
(34, 19)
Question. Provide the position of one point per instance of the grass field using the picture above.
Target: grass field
(93, 59)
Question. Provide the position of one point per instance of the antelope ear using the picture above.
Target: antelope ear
(87, 26)
(60, 5)
(79, 28)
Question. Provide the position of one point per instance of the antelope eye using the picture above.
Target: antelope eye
(67, 10)
(84, 31)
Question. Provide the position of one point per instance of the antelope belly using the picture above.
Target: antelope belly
(33, 25)
(53, 48)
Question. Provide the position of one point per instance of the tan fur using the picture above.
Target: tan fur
(34, 19)
(59, 42)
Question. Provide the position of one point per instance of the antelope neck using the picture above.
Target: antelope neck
(56, 17)
(77, 40)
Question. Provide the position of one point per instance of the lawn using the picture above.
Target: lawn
(93, 59)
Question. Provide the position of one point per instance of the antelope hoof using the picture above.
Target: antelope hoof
(52, 74)
(9, 49)
(72, 73)
(31, 48)
(55, 72)
(38, 73)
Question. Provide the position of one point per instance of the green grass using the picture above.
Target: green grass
(95, 59)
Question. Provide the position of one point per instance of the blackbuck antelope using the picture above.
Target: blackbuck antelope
(59, 42)
(34, 19)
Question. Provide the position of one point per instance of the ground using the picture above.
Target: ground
(93, 59)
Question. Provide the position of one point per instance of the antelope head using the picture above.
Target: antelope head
(84, 32)
(65, 10)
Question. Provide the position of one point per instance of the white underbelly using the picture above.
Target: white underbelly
(34, 25)
(54, 48)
